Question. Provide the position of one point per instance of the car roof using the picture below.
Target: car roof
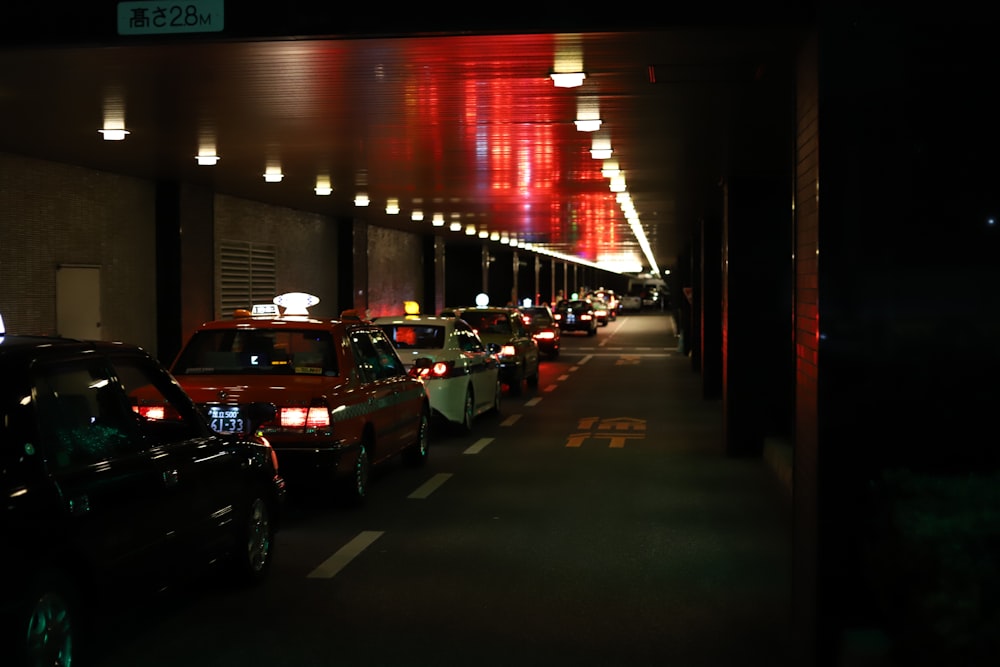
(38, 345)
(444, 320)
(277, 323)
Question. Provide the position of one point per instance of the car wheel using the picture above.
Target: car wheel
(356, 488)
(256, 544)
(468, 412)
(496, 397)
(49, 626)
(416, 454)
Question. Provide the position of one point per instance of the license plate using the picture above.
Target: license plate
(570, 318)
(225, 419)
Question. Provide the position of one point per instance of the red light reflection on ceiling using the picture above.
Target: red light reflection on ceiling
(511, 138)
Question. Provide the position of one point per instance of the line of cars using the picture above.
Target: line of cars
(118, 470)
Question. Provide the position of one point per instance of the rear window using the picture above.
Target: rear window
(487, 322)
(408, 336)
(258, 351)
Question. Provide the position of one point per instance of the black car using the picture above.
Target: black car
(114, 483)
(504, 326)
(542, 326)
(576, 315)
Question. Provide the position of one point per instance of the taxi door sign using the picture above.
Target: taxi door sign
(172, 16)
(615, 430)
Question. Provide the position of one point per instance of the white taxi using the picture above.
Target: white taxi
(463, 379)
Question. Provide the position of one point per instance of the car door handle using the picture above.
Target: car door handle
(170, 478)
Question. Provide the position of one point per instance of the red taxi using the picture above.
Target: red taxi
(345, 401)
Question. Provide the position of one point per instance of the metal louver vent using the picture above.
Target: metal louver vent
(246, 275)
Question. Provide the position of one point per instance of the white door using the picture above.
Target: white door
(78, 302)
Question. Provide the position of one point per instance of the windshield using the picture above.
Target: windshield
(258, 351)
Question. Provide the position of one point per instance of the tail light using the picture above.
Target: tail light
(545, 335)
(155, 412)
(439, 369)
(586, 316)
(507, 351)
(315, 416)
(557, 316)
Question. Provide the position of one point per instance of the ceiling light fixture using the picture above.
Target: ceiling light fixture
(588, 114)
(361, 199)
(567, 79)
(392, 207)
(617, 183)
(600, 147)
(208, 159)
(323, 187)
(114, 133)
(273, 175)
(610, 169)
(438, 220)
(417, 215)
(455, 226)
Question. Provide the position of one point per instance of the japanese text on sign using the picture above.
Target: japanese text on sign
(616, 431)
(155, 18)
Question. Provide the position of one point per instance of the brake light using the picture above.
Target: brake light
(586, 316)
(545, 335)
(507, 351)
(557, 316)
(440, 369)
(316, 416)
(150, 411)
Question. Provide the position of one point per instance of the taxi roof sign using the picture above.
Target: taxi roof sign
(264, 310)
(296, 303)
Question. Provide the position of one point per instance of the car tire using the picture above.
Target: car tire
(416, 454)
(496, 397)
(468, 412)
(356, 486)
(48, 631)
(255, 548)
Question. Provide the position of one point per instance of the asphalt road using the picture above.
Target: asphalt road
(595, 521)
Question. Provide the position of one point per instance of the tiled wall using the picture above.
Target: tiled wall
(54, 214)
